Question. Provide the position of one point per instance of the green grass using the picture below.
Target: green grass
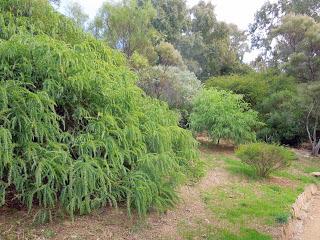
(251, 201)
(300, 178)
(298, 172)
(210, 232)
(241, 203)
(237, 167)
(311, 169)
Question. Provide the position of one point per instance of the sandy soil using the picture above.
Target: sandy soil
(309, 227)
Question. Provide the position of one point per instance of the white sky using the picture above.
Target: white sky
(239, 12)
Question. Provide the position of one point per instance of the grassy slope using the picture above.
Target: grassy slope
(242, 207)
(249, 208)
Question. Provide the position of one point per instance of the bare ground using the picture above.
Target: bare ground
(308, 228)
(109, 223)
(114, 224)
(311, 227)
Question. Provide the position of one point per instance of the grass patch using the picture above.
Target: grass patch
(300, 178)
(241, 203)
(237, 167)
(298, 172)
(210, 232)
(311, 169)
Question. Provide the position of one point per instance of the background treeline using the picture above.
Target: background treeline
(176, 49)
(208, 47)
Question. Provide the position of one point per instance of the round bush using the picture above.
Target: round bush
(265, 158)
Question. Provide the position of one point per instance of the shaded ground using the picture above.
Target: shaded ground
(197, 215)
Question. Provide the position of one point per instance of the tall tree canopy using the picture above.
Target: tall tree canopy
(172, 19)
(127, 26)
(208, 47)
(75, 12)
(211, 47)
(298, 46)
(269, 17)
(288, 33)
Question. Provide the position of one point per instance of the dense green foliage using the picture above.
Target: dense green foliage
(224, 115)
(172, 19)
(282, 113)
(311, 95)
(275, 97)
(298, 47)
(289, 33)
(265, 158)
(210, 47)
(169, 56)
(76, 131)
(127, 26)
(254, 86)
(269, 17)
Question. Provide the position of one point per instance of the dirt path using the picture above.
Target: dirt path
(165, 226)
(310, 226)
(189, 210)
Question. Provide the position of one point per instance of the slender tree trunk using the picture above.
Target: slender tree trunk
(313, 136)
(316, 148)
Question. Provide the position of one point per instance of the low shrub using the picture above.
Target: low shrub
(265, 158)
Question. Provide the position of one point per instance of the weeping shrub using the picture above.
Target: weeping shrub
(75, 130)
(224, 115)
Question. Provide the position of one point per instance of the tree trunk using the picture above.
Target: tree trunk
(313, 136)
(315, 149)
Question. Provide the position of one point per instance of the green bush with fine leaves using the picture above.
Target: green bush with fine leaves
(224, 115)
(75, 130)
(275, 97)
(265, 158)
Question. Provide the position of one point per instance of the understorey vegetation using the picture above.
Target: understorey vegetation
(265, 158)
(76, 132)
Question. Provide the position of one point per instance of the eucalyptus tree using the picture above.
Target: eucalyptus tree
(312, 97)
(269, 17)
(210, 47)
(298, 47)
(127, 25)
(172, 20)
(75, 11)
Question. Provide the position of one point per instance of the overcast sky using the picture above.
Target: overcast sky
(239, 12)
